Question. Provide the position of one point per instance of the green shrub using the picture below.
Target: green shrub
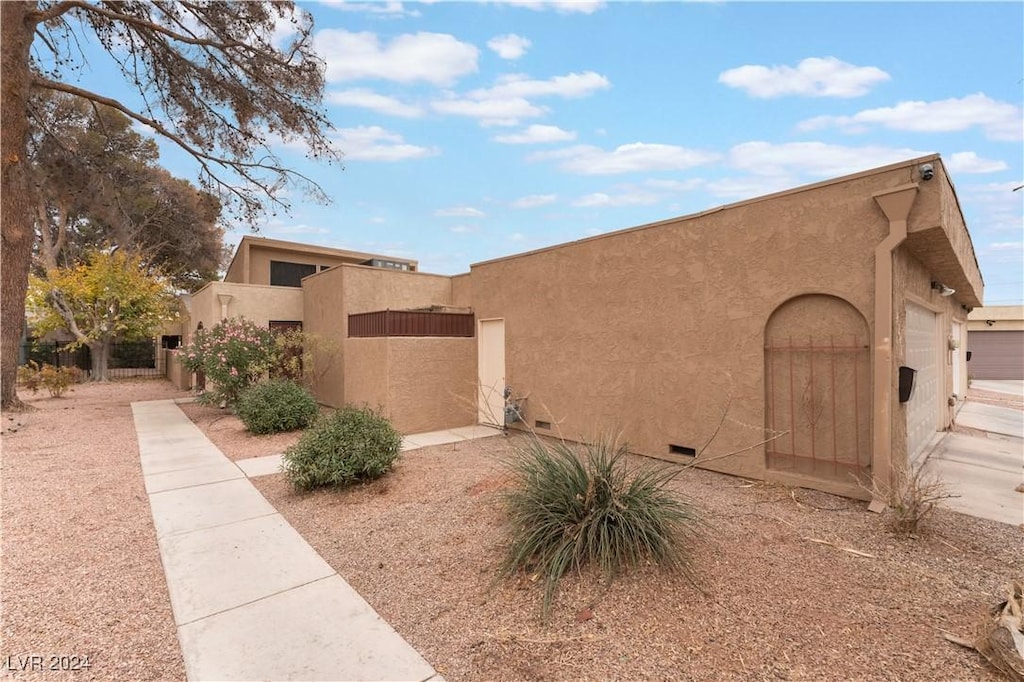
(353, 444)
(573, 506)
(277, 405)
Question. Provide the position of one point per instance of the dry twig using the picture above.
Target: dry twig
(840, 547)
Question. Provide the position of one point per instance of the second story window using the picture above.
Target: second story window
(284, 274)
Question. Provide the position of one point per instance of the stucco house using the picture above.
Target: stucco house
(788, 327)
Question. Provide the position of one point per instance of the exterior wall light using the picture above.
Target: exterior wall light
(942, 289)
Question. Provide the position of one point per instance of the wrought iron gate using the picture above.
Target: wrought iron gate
(818, 397)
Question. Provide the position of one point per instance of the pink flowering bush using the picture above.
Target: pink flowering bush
(233, 354)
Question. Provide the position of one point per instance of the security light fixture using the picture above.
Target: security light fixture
(943, 289)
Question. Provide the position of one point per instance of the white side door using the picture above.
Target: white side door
(491, 371)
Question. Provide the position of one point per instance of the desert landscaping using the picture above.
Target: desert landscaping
(793, 584)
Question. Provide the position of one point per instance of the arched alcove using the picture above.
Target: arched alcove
(818, 388)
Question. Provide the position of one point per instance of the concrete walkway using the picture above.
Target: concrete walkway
(251, 599)
(1009, 386)
(984, 470)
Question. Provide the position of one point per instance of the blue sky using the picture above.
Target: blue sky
(477, 130)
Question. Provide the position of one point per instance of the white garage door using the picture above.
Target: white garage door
(922, 355)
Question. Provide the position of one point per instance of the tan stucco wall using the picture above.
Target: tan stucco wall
(462, 290)
(1004, 318)
(251, 262)
(259, 261)
(359, 371)
(432, 383)
(938, 237)
(421, 384)
(649, 331)
(366, 374)
(175, 370)
(258, 303)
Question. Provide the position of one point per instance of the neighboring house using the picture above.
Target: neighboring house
(777, 328)
(264, 281)
(995, 339)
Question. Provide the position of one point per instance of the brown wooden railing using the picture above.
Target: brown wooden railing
(411, 323)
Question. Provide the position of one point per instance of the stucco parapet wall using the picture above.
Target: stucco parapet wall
(997, 312)
(251, 297)
(937, 236)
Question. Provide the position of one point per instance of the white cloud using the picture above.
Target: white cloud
(459, 212)
(673, 185)
(463, 229)
(570, 86)
(388, 9)
(813, 158)
(970, 162)
(627, 158)
(506, 103)
(490, 112)
(998, 120)
(373, 143)
(812, 77)
(509, 46)
(560, 6)
(750, 186)
(368, 99)
(634, 198)
(537, 134)
(436, 58)
(649, 192)
(534, 200)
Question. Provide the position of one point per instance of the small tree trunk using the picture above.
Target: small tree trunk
(100, 351)
(16, 231)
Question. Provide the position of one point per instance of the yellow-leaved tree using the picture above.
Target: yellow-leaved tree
(109, 297)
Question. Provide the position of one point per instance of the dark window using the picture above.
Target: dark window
(389, 264)
(325, 267)
(284, 274)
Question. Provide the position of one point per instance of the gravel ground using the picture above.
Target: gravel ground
(422, 546)
(81, 568)
(228, 433)
(82, 574)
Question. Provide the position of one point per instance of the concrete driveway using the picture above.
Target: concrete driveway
(985, 467)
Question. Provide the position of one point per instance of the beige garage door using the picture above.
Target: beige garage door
(996, 355)
(922, 355)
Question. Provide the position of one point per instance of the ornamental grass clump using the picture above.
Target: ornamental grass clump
(575, 506)
(348, 446)
(277, 405)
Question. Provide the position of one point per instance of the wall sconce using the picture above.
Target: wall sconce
(990, 322)
(942, 289)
